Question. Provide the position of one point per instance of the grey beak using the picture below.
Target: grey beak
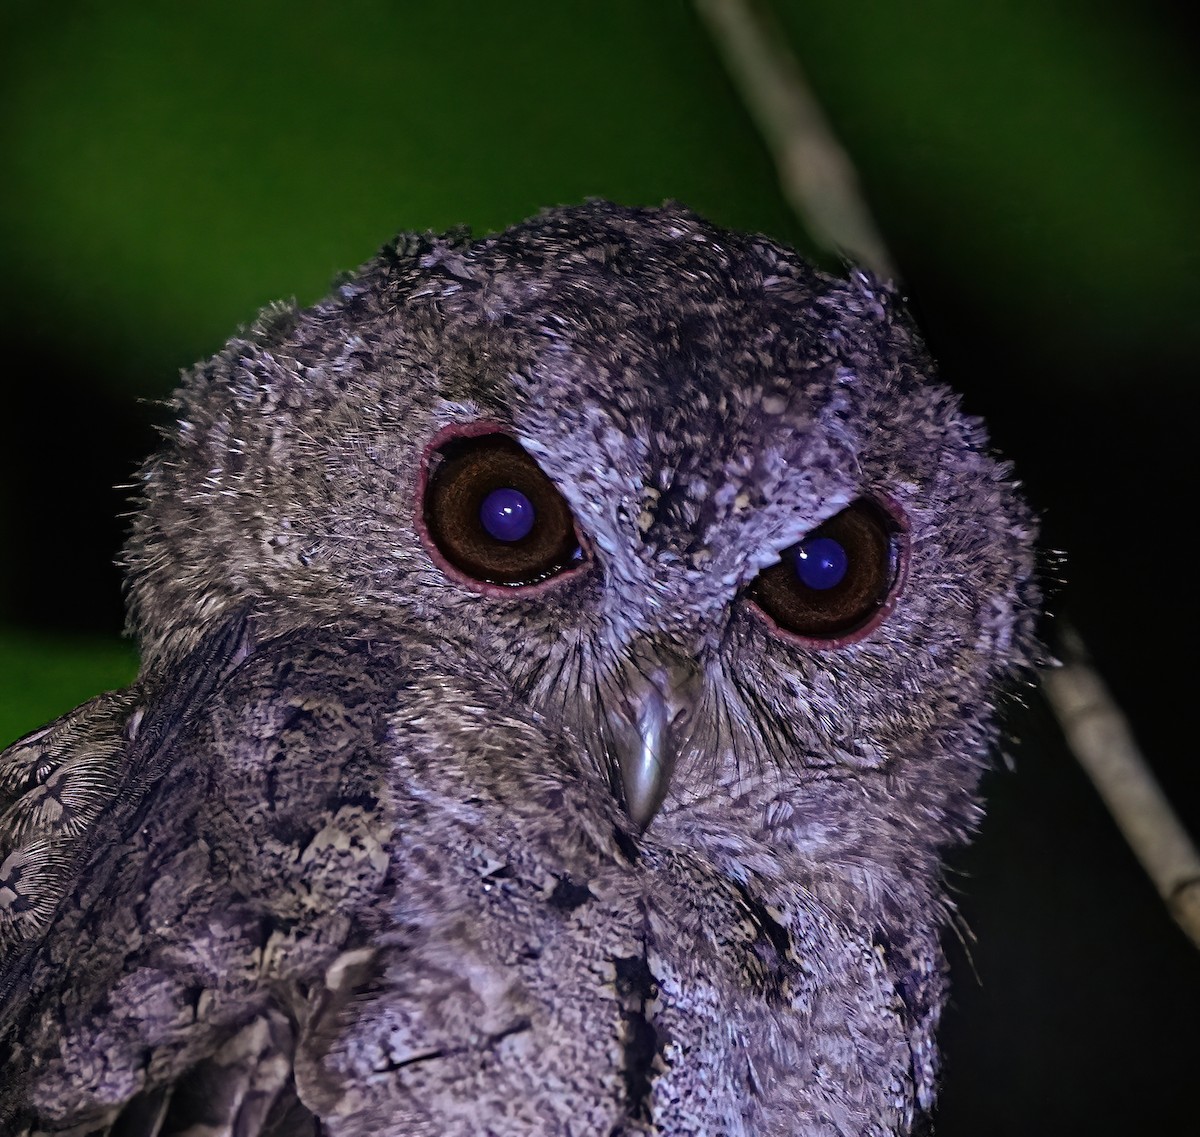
(649, 728)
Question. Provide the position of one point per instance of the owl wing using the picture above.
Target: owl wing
(138, 865)
(59, 781)
(68, 794)
(54, 783)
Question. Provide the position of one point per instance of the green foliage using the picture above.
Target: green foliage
(43, 676)
(1044, 150)
(173, 167)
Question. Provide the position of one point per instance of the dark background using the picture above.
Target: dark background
(166, 169)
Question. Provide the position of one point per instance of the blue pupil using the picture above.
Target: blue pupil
(507, 514)
(821, 563)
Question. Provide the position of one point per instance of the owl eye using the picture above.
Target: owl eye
(494, 516)
(839, 581)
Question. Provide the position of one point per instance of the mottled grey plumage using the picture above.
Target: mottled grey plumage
(351, 856)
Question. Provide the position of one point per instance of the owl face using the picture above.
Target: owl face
(698, 504)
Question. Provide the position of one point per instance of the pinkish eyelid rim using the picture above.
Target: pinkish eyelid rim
(478, 428)
(902, 537)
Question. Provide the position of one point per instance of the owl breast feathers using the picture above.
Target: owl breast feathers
(566, 657)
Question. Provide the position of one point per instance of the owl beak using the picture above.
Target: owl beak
(656, 706)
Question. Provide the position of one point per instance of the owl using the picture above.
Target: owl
(566, 658)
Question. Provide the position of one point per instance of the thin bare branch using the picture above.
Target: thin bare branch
(817, 176)
(1100, 737)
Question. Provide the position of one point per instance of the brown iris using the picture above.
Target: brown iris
(837, 579)
(467, 477)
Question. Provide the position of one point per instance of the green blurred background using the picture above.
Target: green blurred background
(166, 169)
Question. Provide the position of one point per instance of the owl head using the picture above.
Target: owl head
(700, 505)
